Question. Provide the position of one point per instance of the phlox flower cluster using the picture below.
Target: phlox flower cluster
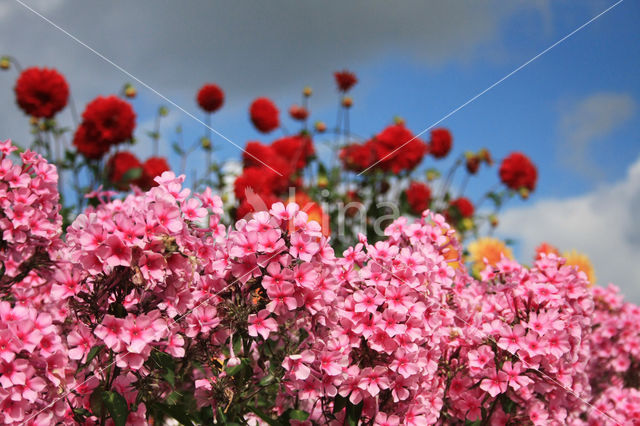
(149, 307)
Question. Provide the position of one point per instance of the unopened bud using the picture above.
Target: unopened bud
(493, 220)
(130, 91)
(33, 121)
(5, 63)
(524, 193)
(398, 120)
(323, 182)
(347, 102)
(206, 143)
(432, 175)
(320, 127)
(307, 91)
(466, 224)
(163, 111)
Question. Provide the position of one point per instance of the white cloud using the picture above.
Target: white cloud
(603, 224)
(589, 120)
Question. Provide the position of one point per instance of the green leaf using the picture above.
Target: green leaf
(166, 364)
(92, 354)
(266, 380)
(496, 198)
(80, 414)
(117, 407)
(177, 412)
(339, 403)
(353, 413)
(95, 401)
(298, 415)
(132, 174)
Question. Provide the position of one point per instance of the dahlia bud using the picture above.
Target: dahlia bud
(130, 91)
(432, 174)
(323, 181)
(5, 63)
(473, 163)
(320, 127)
(524, 193)
(485, 156)
(398, 120)
(163, 111)
(347, 102)
(306, 92)
(33, 121)
(493, 220)
(206, 143)
(466, 224)
(224, 197)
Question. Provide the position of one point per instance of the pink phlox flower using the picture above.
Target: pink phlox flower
(80, 340)
(303, 247)
(392, 322)
(298, 364)
(367, 300)
(192, 209)
(114, 252)
(383, 420)
(480, 357)
(398, 298)
(495, 383)
(109, 332)
(282, 298)
(512, 338)
(261, 325)
(514, 375)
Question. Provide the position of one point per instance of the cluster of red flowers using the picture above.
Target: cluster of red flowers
(270, 169)
(345, 80)
(41, 92)
(124, 169)
(418, 197)
(106, 121)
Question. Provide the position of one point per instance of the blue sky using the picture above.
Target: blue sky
(574, 110)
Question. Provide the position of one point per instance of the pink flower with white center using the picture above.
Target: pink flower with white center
(513, 372)
(192, 209)
(383, 420)
(298, 364)
(495, 383)
(302, 247)
(81, 341)
(137, 333)
(480, 357)
(114, 252)
(367, 300)
(373, 380)
(261, 325)
(512, 339)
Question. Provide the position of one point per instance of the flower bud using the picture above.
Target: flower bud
(323, 181)
(466, 224)
(5, 63)
(130, 91)
(206, 143)
(347, 102)
(524, 193)
(163, 111)
(485, 156)
(320, 127)
(432, 175)
(33, 121)
(306, 92)
(493, 220)
(398, 120)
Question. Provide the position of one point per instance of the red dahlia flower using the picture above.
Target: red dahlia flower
(296, 149)
(41, 92)
(441, 141)
(88, 143)
(357, 157)
(111, 118)
(152, 168)
(345, 80)
(262, 180)
(418, 197)
(398, 149)
(298, 113)
(517, 171)
(463, 206)
(264, 115)
(210, 97)
(119, 165)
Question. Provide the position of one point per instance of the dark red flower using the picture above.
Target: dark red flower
(118, 166)
(41, 92)
(441, 141)
(210, 97)
(256, 154)
(264, 115)
(296, 149)
(418, 197)
(261, 180)
(111, 118)
(398, 149)
(88, 143)
(472, 163)
(345, 80)
(358, 157)
(463, 206)
(298, 113)
(517, 171)
(152, 168)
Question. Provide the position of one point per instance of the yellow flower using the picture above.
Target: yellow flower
(489, 248)
(582, 262)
